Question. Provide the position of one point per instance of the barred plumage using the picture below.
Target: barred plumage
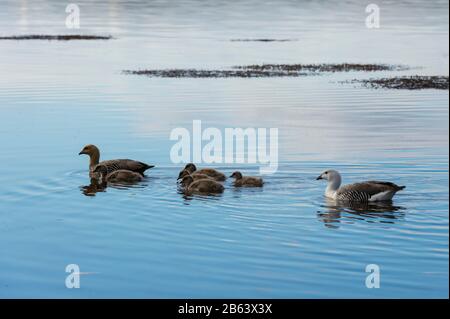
(354, 196)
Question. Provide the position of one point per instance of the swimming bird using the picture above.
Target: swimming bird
(211, 172)
(370, 191)
(201, 186)
(117, 176)
(195, 175)
(111, 165)
(246, 181)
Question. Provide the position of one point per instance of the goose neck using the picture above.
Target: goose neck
(94, 160)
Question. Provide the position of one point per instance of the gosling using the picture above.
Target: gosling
(211, 172)
(118, 176)
(201, 186)
(246, 181)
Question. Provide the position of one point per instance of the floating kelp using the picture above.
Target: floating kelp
(415, 82)
(342, 67)
(194, 73)
(265, 70)
(56, 37)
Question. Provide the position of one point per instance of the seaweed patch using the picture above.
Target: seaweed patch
(56, 37)
(341, 67)
(415, 82)
(194, 73)
(265, 70)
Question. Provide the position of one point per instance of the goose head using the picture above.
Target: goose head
(90, 150)
(94, 155)
(333, 177)
(329, 175)
(237, 175)
(190, 168)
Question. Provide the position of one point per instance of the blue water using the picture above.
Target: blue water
(283, 241)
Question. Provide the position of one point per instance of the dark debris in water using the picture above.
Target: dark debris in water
(342, 67)
(263, 40)
(407, 83)
(265, 70)
(56, 37)
(194, 73)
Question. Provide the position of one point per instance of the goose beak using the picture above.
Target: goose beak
(319, 177)
(81, 153)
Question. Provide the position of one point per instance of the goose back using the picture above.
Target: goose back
(125, 164)
(205, 186)
(249, 181)
(216, 175)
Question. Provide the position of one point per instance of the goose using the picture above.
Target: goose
(246, 181)
(216, 175)
(111, 165)
(201, 186)
(370, 191)
(195, 175)
(117, 176)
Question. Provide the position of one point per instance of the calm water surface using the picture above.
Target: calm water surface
(285, 240)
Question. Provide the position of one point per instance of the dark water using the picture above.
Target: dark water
(285, 240)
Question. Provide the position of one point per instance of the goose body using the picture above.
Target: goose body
(246, 181)
(369, 191)
(214, 174)
(112, 165)
(117, 176)
(201, 186)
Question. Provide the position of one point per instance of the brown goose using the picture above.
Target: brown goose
(117, 176)
(195, 175)
(111, 165)
(216, 175)
(370, 191)
(201, 186)
(246, 181)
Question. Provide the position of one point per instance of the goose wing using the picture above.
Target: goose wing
(126, 164)
(365, 190)
(218, 176)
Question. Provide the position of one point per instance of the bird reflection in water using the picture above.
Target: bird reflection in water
(93, 188)
(334, 212)
(99, 186)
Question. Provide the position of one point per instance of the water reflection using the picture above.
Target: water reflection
(187, 196)
(381, 212)
(97, 186)
(93, 188)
